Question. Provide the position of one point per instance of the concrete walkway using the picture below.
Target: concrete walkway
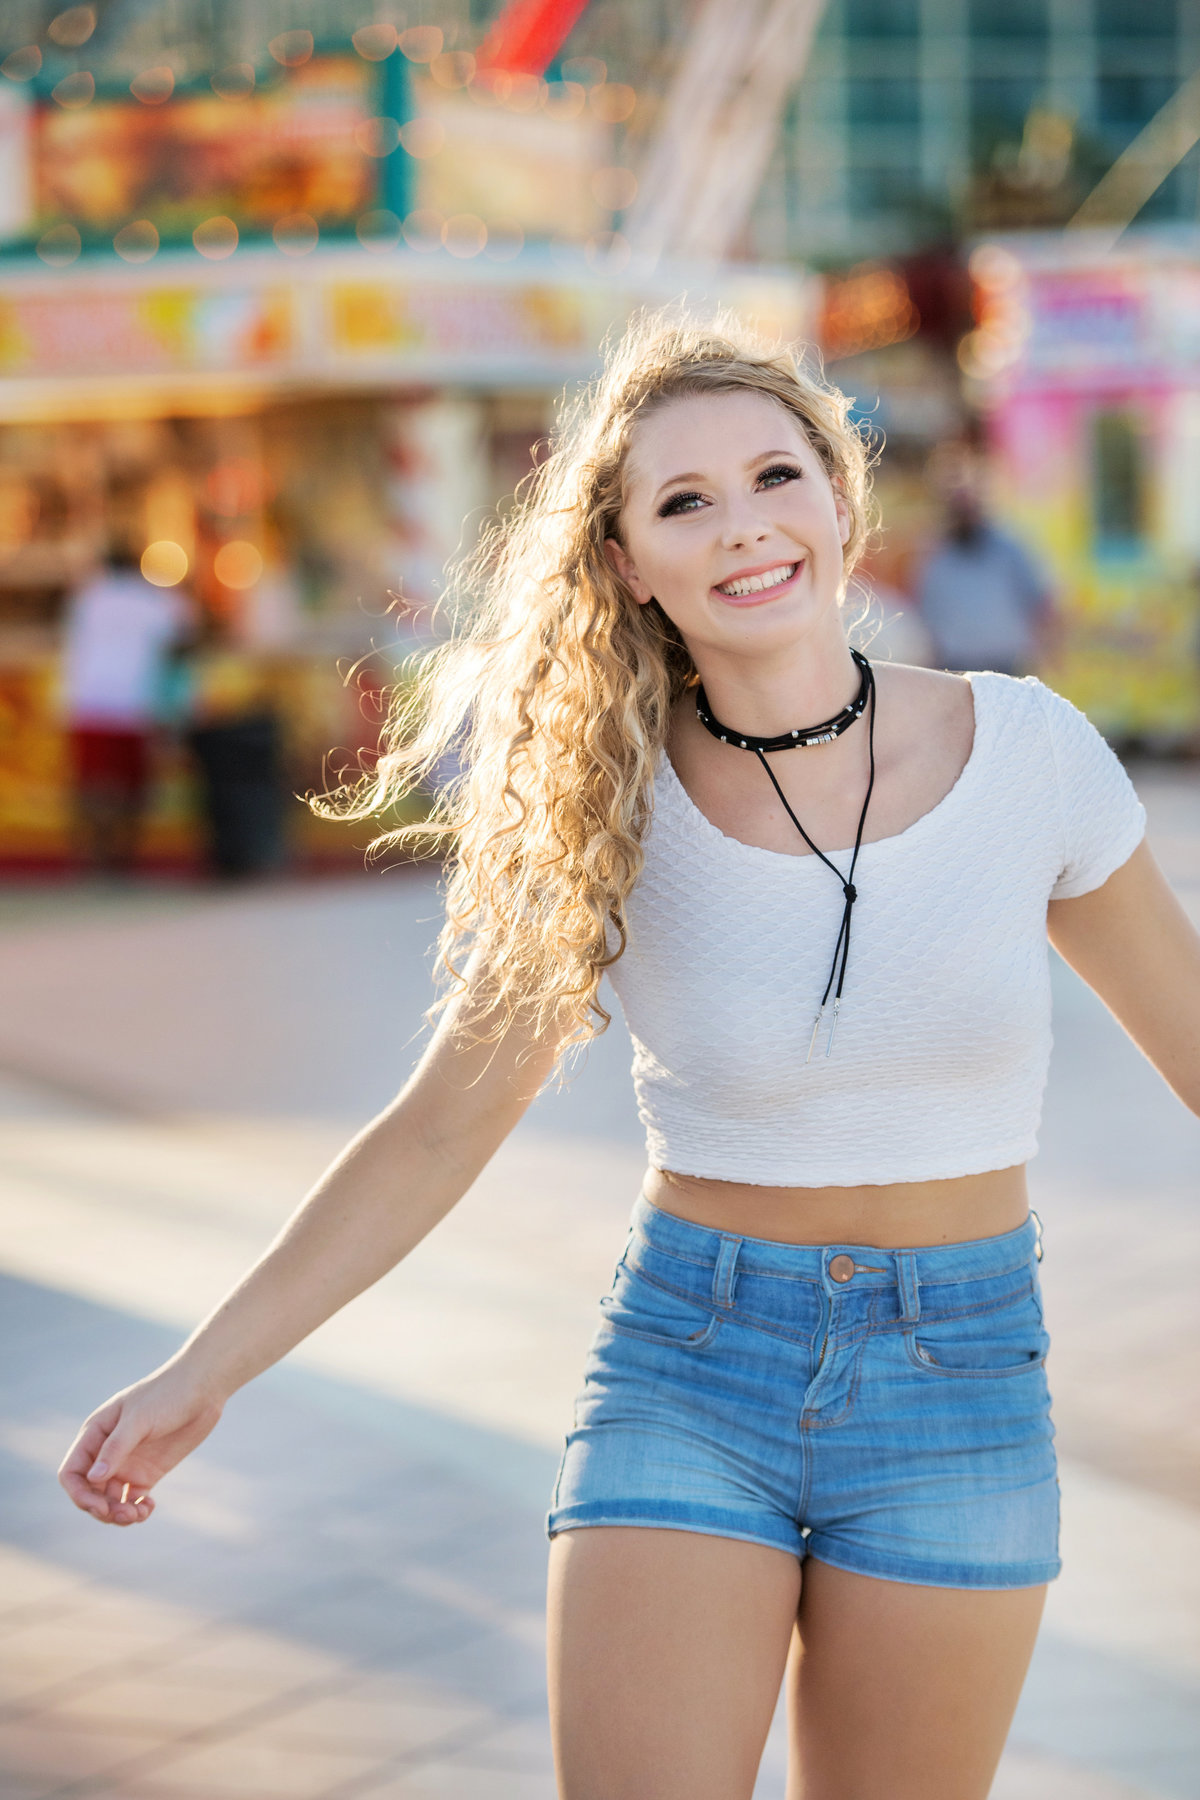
(341, 1593)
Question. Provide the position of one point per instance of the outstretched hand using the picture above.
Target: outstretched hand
(130, 1443)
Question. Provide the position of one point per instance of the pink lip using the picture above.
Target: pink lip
(763, 594)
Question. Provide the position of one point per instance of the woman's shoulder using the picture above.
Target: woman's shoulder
(995, 726)
(924, 698)
(925, 703)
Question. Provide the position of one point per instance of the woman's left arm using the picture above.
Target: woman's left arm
(1134, 945)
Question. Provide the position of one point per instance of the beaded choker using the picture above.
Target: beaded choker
(792, 740)
(795, 740)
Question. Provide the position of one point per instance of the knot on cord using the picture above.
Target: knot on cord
(850, 891)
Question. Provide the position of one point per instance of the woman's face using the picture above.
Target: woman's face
(731, 523)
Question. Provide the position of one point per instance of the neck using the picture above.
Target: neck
(811, 683)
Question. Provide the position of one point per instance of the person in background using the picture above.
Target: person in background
(983, 600)
(234, 738)
(118, 635)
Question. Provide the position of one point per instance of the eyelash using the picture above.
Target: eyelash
(674, 506)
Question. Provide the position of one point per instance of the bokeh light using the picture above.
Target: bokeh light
(453, 68)
(423, 137)
(377, 137)
(164, 563)
(490, 87)
(76, 90)
(378, 230)
(423, 229)
(525, 93)
(291, 48)
(994, 267)
(866, 309)
(153, 86)
(238, 564)
(216, 238)
(421, 43)
(137, 242)
(23, 64)
(464, 234)
(60, 245)
(72, 27)
(296, 233)
(375, 43)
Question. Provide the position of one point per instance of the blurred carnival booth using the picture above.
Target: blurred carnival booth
(1086, 361)
(275, 335)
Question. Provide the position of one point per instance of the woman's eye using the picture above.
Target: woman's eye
(778, 474)
(679, 503)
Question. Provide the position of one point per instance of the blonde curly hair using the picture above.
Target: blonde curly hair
(553, 694)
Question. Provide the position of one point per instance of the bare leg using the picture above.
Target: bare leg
(667, 1649)
(903, 1691)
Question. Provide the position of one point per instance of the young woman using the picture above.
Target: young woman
(814, 1432)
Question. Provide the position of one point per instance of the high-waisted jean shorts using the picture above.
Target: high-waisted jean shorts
(885, 1411)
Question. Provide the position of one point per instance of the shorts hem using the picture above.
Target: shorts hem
(707, 1523)
(944, 1575)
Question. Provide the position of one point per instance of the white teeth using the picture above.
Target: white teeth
(754, 584)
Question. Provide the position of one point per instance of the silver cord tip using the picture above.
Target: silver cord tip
(812, 1042)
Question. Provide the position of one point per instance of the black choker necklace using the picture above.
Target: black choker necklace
(795, 740)
(792, 740)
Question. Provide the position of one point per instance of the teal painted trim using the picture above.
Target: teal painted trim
(397, 171)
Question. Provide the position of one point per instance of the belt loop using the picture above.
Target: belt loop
(1037, 1225)
(910, 1287)
(727, 1256)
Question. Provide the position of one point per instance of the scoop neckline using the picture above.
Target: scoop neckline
(953, 793)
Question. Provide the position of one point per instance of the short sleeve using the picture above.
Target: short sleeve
(1103, 821)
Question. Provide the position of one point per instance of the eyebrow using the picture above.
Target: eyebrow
(695, 475)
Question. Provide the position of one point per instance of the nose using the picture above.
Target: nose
(744, 525)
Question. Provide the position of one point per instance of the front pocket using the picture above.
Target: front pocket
(639, 1308)
(1008, 1340)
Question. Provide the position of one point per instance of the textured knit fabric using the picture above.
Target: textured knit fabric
(943, 1042)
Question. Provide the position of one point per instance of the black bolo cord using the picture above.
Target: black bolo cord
(762, 747)
(842, 948)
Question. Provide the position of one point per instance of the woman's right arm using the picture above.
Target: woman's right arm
(387, 1189)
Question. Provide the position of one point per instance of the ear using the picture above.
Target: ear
(624, 565)
(842, 508)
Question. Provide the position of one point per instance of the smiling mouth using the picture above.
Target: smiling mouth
(758, 584)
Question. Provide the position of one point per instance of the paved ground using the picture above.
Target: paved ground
(341, 1593)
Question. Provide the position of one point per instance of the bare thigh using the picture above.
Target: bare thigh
(903, 1691)
(667, 1650)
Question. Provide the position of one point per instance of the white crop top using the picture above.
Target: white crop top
(943, 1041)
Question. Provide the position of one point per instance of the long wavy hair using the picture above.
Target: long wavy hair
(551, 698)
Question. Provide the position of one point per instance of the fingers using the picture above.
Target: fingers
(90, 1471)
(111, 1454)
(132, 1509)
(128, 1504)
(73, 1473)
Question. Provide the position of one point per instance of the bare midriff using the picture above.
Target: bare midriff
(895, 1216)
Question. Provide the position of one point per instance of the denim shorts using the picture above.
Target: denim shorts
(885, 1411)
